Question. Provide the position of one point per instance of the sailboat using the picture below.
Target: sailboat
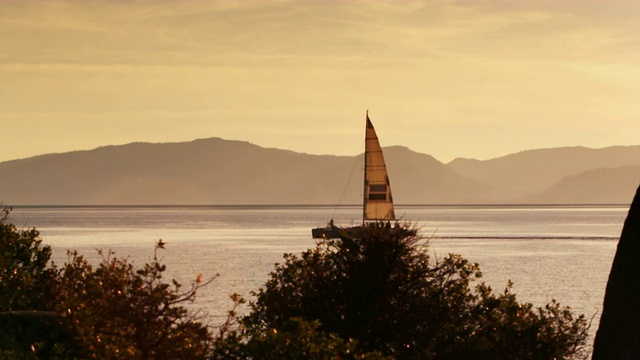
(377, 201)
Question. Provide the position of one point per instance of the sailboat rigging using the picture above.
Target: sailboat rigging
(377, 199)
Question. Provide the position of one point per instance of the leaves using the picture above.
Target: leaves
(374, 296)
(23, 267)
(119, 311)
(384, 291)
(111, 310)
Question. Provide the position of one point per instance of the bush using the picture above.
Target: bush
(118, 311)
(371, 296)
(24, 275)
(114, 310)
(26, 329)
(383, 290)
(295, 339)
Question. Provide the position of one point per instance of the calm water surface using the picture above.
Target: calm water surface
(548, 252)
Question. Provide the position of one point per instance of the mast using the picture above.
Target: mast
(364, 178)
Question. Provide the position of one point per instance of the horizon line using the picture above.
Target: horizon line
(303, 206)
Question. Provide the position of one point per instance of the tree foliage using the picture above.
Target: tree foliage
(377, 295)
(27, 330)
(118, 311)
(383, 290)
(295, 339)
(24, 275)
(113, 310)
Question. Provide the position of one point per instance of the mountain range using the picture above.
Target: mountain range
(224, 172)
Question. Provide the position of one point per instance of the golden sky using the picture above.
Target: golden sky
(452, 79)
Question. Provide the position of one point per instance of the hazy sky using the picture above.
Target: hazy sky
(448, 78)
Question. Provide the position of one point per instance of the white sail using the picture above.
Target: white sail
(378, 202)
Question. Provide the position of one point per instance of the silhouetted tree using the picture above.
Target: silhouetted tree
(618, 335)
(118, 311)
(294, 339)
(371, 296)
(27, 330)
(24, 275)
(382, 290)
(113, 310)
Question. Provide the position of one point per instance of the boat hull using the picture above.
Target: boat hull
(326, 233)
(357, 231)
(334, 232)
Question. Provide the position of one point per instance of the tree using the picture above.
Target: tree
(118, 311)
(23, 267)
(27, 330)
(383, 290)
(113, 310)
(371, 296)
(294, 339)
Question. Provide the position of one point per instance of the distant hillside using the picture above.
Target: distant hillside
(216, 171)
(533, 171)
(222, 172)
(602, 186)
(421, 179)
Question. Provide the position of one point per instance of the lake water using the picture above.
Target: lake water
(548, 252)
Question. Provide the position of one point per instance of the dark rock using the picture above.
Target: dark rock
(618, 335)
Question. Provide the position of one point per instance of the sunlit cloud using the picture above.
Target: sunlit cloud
(275, 72)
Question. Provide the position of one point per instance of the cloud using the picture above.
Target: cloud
(298, 67)
(253, 32)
